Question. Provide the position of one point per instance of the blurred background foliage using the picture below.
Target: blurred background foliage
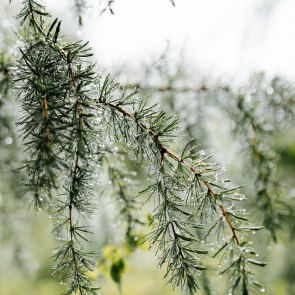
(247, 126)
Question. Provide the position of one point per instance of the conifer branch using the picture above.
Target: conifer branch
(144, 117)
(266, 188)
(250, 126)
(59, 82)
(45, 69)
(121, 187)
(164, 150)
(46, 117)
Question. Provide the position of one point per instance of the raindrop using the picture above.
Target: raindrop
(269, 90)
(8, 140)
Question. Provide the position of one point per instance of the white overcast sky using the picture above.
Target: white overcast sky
(220, 36)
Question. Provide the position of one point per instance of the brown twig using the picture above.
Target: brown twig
(164, 88)
(46, 117)
(76, 163)
(164, 150)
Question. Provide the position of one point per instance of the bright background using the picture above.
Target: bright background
(229, 37)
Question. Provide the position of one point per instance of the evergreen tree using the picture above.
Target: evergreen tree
(78, 125)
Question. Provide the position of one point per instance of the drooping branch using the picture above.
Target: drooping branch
(164, 150)
(67, 79)
(154, 131)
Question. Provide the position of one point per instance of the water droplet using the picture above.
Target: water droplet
(8, 140)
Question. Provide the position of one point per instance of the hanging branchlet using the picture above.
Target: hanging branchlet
(39, 75)
(80, 152)
(123, 186)
(9, 150)
(268, 192)
(32, 16)
(177, 245)
(60, 127)
(186, 185)
(72, 260)
(238, 267)
(42, 103)
(262, 109)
